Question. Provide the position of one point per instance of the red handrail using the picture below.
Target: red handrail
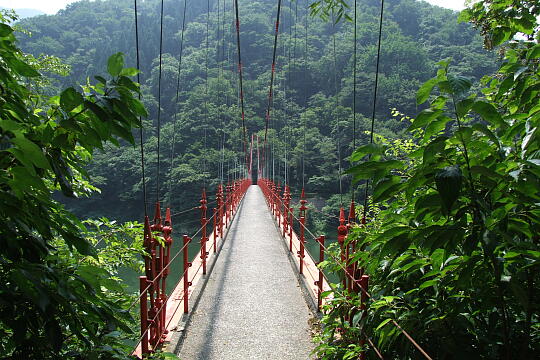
(153, 299)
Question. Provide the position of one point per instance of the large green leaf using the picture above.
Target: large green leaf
(386, 188)
(424, 118)
(370, 169)
(23, 68)
(425, 90)
(115, 64)
(32, 152)
(70, 99)
(458, 85)
(434, 148)
(448, 181)
(5, 30)
(488, 112)
(369, 149)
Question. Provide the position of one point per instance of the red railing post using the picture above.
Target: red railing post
(155, 322)
(220, 209)
(187, 265)
(229, 203)
(319, 282)
(342, 235)
(286, 202)
(301, 253)
(235, 197)
(278, 202)
(226, 206)
(351, 249)
(273, 197)
(364, 284)
(143, 284)
(215, 227)
(291, 227)
(167, 231)
(204, 238)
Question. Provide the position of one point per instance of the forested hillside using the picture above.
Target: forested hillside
(416, 35)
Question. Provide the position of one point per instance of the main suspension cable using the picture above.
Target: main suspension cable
(336, 95)
(141, 128)
(305, 98)
(355, 40)
(240, 79)
(374, 101)
(177, 102)
(207, 114)
(272, 74)
(159, 101)
(221, 60)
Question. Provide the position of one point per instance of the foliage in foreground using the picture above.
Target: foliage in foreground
(59, 294)
(454, 253)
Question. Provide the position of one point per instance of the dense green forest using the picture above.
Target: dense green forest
(416, 36)
(451, 243)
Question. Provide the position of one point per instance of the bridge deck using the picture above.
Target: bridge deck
(252, 306)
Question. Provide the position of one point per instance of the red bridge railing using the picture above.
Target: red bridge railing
(353, 282)
(159, 310)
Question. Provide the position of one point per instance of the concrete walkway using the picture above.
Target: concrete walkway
(252, 306)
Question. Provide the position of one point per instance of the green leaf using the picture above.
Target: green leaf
(459, 85)
(32, 152)
(500, 35)
(484, 130)
(464, 106)
(424, 118)
(436, 126)
(70, 99)
(23, 68)
(386, 188)
(81, 244)
(425, 90)
(488, 112)
(371, 169)
(115, 64)
(369, 149)
(448, 181)
(384, 322)
(5, 30)
(429, 283)
(534, 52)
(129, 72)
(97, 110)
(357, 317)
(396, 245)
(434, 148)
(168, 355)
(10, 125)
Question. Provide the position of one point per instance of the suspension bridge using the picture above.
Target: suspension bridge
(253, 291)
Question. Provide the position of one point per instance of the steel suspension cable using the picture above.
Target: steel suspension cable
(376, 85)
(177, 102)
(287, 104)
(336, 95)
(221, 60)
(159, 100)
(207, 114)
(141, 129)
(355, 59)
(240, 79)
(272, 74)
(294, 46)
(305, 99)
